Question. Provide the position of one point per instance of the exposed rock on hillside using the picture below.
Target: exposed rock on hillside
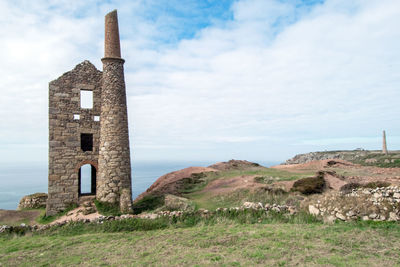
(364, 157)
(34, 201)
(235, 165)
(313, 156)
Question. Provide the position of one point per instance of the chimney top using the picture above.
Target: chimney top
(111, 39)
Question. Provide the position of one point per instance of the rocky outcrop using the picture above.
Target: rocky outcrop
(378, 204)
(34, 201)
(358, 156)
(235, 165)
(313, 156)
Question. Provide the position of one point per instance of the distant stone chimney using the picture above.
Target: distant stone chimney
(384, 147)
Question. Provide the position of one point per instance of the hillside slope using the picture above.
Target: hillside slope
(230, 184)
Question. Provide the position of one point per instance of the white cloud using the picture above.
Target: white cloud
(273, 76)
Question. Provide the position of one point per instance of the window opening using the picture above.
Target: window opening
(86, 99)
(87, 142)
(77, 117)
(96, 118)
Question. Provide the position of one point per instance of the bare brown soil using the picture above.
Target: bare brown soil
(236, 165)
(346, 172)
(225, 186)
(169, 183)
(12, 217)
(317, 165)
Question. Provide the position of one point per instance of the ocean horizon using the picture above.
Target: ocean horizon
(18, 180)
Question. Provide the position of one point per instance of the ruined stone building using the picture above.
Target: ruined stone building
(89, 151)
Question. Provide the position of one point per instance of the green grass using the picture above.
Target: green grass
(43, 219)
(236, 198)
(107, 209)
(278, 175)
(147, 203)
(222, 243)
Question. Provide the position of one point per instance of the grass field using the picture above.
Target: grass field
(226, 243)
(279, 175)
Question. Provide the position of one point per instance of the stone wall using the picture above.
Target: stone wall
(34, 201)
(65, 153)
(378, 204)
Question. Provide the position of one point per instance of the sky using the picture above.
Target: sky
(213, 80)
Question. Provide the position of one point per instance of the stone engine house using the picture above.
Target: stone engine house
(89, 151)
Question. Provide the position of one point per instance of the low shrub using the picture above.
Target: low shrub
(376, 184)
(195, 182)
(347, 188)
(149, 202)
(107, 209)
(310, 185)
(15, 231)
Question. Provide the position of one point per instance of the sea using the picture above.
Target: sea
(18, 180)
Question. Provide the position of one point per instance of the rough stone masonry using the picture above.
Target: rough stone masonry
(88, 127)
(114, 184)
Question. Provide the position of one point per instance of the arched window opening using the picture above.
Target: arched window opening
(87, 180)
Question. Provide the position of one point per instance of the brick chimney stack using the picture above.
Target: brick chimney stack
(114, 181)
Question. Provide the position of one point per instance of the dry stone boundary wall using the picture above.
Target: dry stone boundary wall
(378, 204)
